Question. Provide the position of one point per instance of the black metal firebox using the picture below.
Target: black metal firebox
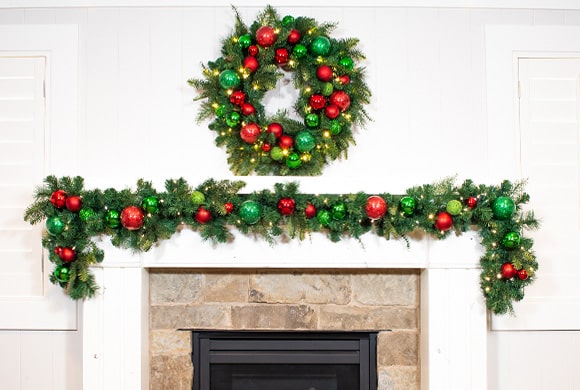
(284, 360)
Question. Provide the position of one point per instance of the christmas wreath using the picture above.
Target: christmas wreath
(139, 219)
(332, 95)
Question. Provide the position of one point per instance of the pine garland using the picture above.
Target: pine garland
(234, 85)
(214, 208)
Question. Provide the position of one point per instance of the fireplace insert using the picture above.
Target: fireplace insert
(284, 360)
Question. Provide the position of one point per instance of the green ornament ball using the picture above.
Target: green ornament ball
(229, 79)
(408, 205)
(250, 212)
(503, 207)
(311, 120)
(86, 213)
(511, 240)
(304, 141)
(150, 204)
(245, 41)
(293, 160)
(299, 51)
(288, 20)
(335, 127)
(61, 274)
(338, 211)
(454, 207)
(197, 197)
(54, 226)
(277, 154)
(234, 119)
(113, 219)
(327, 89)
(220, 111)
(320, 46)
(324, 217)
(346, 62)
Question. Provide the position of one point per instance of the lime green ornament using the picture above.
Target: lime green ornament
(277, 153)
(324, 217)
(304, 141)
(511, 240)
(311, 120)
(150, 204)
(229, 79)
(113, 219)
(293, 160)
(454, 207)
(299, 51)
(245, 41)
(61, 274)
(54, 226)
(408, 204)
(320, 46)
(250, 212)
(288, 20)
(338, 211)
(346, 62)
(197, 197)
(233, 119)
(335, 127)
(327, 89)
(86, 213)
(220, 111)
(503, 207)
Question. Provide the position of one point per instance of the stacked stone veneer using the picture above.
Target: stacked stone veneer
(383, 301)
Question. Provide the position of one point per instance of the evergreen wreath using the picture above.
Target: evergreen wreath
(139, 219)
(332, 95)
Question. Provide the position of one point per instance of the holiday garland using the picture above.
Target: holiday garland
(332, 95)
(140, 219)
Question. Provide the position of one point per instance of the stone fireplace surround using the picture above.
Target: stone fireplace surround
(424, 300)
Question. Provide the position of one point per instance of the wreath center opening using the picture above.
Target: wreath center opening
(282, 98)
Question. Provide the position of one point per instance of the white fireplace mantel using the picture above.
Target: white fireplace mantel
(453, 315)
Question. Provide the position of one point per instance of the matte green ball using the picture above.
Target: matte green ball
(327, 89)
(229, 79)
(320, 46)
(250, 212)
(408, 204)
(197, 197)
(304, 141)
(86, 213)
(233, 119)
(346, 62)
(454, 207)
(293, 160)
(324, 217)
(299, 51)
(338, 211)
(113, 219)
(61, 273)
(335, 127)
(54, 226)
(277, 154)
(312, 120)
(288, 20)
(245, 41)
(503, 207)
(220, 111)
(511, 240)
(150, 204)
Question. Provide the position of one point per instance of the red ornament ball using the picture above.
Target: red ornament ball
(376, 207)
(238, 98)
(276, 129)
(471, 202)
(508, 270)
(266, 36)
(340, 99)
(203, 215)
(266, 147)
(229, 206)
(310, 211)
(251, 63)
(522, 274)
(294, 36)
(317, 102)
(281, 56)
(253, 50)
(332, 111)
(57, 250)
(250, 133)
(344, 79)
(324, 73)
(443, 221)
(248, 109)
(67, 254)
(74, 203)
(132, 218)
(286, 142)
(58, 199)
(286, 206)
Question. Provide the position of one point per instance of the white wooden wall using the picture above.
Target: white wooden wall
(426, 69)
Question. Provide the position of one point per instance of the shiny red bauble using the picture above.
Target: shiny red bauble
(238, 98)
(332, 111)
(250, 133)
(203, 215)
(286, 206)
(340, 99)
(74, 203)
(324, 73)
(251, 63)
(132, 218)
(286, 142)
(522, 274)
(58, 199)
(317, 102)
(310, 211)
(266, 36)
(276, 129)
(266, 147)
(376, 207)
(229, 206)
(247, 109)
(471, 202)
(443, 221)
(67, 254)
(508, 270)
(253, 50)
(281, 56)
(294, 36)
